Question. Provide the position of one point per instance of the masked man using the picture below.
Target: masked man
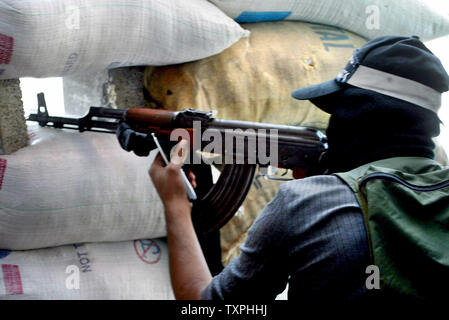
(381, 211)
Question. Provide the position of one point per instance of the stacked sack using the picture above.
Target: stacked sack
(60, 37)
(116, 270)
(82, 204)
(46, 38)
(368, 18)
(70, 187)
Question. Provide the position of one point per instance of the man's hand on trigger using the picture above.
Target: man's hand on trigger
(168, 180)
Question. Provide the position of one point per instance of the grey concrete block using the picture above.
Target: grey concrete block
(114, 88)
(82, 91)
(125, 87)
(13, 129)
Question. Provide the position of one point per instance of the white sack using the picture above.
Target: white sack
(119, 270)
(58, 37)
(71, 187)
(368, 18)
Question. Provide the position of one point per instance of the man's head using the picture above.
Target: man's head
(383, 104)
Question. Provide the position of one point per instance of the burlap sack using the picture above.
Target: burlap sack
(253, 81)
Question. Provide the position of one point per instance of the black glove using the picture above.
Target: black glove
(131, 140)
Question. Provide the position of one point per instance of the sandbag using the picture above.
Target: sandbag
(368, 18)
(252, 81)
(254, 78)
(119, 270)
(71, 187)
(60, 37)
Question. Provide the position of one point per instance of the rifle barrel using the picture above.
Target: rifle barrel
(91, 121)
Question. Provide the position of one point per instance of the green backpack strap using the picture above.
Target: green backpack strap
(405, 202)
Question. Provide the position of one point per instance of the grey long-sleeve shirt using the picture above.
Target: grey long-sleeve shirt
(312, 235)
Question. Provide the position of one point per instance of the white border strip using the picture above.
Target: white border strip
(397, 87)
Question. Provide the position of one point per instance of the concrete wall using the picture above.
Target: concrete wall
(13, 130)
(115, 88)
(125, 87)
(83, 91)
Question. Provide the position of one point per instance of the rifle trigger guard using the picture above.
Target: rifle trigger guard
(268, 176)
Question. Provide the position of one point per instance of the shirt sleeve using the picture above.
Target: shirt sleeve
(260, 271)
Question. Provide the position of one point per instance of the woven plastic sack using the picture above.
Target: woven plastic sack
(368, 18)
(71, 187)
(59, 37)
(119, 270)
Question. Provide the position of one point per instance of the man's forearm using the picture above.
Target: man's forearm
(188, 268)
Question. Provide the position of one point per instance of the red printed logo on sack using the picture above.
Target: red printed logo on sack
(148, 251)
(12, 279)
(6, 48)
(2, 171)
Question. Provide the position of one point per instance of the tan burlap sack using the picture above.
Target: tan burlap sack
(253, 81)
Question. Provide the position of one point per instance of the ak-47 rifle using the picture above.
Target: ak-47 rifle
(299, 149)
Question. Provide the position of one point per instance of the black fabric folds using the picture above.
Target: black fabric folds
(367, 126)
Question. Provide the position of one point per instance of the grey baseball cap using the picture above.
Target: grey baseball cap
(400, 67)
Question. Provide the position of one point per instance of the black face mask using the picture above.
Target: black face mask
(367, 126)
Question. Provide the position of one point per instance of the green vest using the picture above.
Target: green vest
(405, 202)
